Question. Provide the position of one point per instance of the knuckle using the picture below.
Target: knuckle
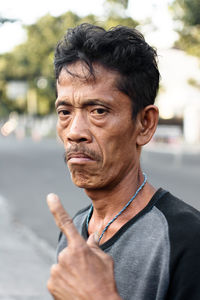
(62, 256)
(50, 286)
(54, 270)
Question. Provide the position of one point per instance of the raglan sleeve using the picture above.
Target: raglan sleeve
(184, 238)
(185, 258)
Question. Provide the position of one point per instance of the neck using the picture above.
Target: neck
(110, 210)
(109, 201)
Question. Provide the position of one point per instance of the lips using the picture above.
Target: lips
(78, 157)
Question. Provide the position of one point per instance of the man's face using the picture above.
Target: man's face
(96, 126)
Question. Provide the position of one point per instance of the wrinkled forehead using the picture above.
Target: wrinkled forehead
(80, 73)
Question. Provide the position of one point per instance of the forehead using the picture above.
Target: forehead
(77, 86)
(77, 74)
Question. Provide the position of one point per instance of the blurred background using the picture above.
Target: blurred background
(31, 156)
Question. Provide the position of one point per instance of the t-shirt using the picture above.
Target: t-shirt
(157, 253)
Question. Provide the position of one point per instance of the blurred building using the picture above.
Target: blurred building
(179, 97)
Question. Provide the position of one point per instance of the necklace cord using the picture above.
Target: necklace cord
(119, 213)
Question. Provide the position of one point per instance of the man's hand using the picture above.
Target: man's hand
(83, 271)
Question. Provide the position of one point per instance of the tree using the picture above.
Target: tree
(32, 61)
(188, 12)
(124, 3)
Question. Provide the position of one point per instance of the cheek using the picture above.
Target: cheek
(118, 147)
(60, 131)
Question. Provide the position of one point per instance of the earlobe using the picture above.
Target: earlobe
(147, 120)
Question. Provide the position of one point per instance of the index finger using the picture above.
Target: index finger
(63, 221)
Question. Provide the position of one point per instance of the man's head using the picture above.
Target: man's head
(119, 49)
(102, 79)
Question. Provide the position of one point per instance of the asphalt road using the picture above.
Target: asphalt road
(30, 170)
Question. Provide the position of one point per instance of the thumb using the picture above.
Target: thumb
(93, 240)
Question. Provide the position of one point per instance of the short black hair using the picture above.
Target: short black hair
(121, 49)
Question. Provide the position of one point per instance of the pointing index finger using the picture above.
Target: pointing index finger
(63, 221)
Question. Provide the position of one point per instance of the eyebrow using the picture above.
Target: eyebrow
(61, 102)
(89, 102)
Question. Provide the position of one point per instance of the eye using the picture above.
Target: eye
(63, 112)
(99, 111)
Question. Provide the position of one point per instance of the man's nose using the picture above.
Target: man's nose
(78, 129)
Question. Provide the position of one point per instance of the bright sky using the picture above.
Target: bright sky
(28, 11)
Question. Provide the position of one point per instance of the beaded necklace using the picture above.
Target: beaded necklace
(119, 213)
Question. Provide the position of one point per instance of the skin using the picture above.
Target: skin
(103, 145)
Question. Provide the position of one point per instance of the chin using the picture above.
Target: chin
(86, 182)
(81, 180)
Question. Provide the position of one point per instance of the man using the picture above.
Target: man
(133, 242)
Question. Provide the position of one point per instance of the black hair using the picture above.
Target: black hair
(121, 49)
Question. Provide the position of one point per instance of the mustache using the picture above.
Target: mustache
(83, 150)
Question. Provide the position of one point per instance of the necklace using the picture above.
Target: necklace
(119, 213)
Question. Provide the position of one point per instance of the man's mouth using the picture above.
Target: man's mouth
(78, 157)
(81, 155)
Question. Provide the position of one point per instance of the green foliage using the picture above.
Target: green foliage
(189, 40)
(116, 20)
(32, 61)
(124, 3)
(188, 12)
(194, 83)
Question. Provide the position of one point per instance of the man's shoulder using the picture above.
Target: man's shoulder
(183, 219)
(81, 215)
(174, 208)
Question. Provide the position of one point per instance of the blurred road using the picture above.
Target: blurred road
(30, 170)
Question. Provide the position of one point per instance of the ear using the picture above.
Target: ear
(147, 121)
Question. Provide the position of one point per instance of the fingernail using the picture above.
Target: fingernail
(52, 198)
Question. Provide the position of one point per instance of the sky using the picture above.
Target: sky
(160, 35)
